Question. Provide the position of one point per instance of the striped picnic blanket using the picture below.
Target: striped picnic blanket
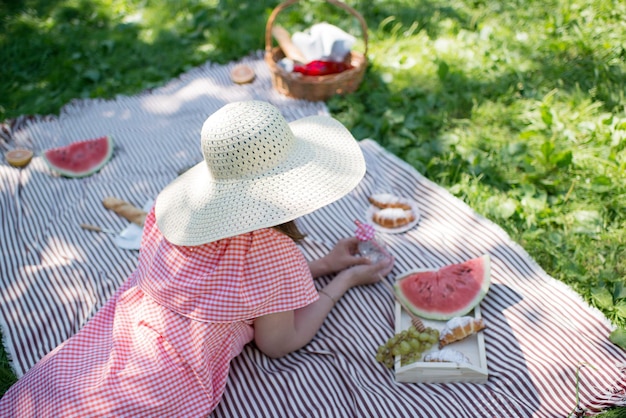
(55, 275)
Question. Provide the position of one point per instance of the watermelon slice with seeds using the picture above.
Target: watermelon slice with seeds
(80, 159)
(450, 291)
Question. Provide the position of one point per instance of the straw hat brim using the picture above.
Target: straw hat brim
(325, 164)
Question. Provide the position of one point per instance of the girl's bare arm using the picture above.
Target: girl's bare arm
(281, 333)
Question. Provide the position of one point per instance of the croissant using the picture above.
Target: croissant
(125, 209)
(393, 217)
(459, 328)
(447, 355)
(387, 200)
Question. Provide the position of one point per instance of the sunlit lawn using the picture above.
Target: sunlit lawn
(515, 107)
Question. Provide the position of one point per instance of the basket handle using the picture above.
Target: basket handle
(284, 5)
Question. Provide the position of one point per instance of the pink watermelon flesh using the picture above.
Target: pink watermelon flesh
(451, 291)
(80, 159)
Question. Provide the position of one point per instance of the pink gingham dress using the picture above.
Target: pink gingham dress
(162, 345)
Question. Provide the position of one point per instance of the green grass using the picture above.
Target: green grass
(516, 107)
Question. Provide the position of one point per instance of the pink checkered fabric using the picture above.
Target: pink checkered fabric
(364, 231)
(162, 345)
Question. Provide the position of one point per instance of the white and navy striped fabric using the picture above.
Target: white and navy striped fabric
(54, 275)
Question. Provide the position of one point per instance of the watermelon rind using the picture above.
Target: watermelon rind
(444, 315)
(93, 168)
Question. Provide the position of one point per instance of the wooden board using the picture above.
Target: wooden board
(424, 372)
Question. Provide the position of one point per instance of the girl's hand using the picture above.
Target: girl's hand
(344, 254)
(365, 274)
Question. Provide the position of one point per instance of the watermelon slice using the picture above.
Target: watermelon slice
(80, 159)
(453, 290)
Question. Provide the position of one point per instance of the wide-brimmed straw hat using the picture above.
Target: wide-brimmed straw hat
(258, 171)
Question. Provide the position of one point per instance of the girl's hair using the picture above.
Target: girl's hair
(291, 230)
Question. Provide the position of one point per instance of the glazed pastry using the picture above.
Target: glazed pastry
(393, 217)
(125, 209)
(387, 200)
(459, 328)
(447, 355)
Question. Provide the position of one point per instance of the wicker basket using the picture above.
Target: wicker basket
(314, 88)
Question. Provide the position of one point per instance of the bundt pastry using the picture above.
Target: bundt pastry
(393, 217)
(387, 200)
(447, 355)
(459, 328)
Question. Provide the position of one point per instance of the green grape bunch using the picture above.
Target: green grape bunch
(409, 344)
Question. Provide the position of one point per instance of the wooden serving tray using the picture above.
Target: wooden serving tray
(425, 372)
